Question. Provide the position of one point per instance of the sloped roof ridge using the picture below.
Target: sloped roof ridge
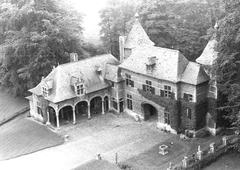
(137, 36)
(85, 59)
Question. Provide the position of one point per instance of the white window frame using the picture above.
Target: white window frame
(45, 91)
(129, 81)
(189, 97)
(167, 118)
(148, 86)
(80, 89)
(167, 91)
(129, 102)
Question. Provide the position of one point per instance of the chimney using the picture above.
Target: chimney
(121, 48)
(73, 57)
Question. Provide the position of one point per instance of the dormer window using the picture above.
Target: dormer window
(79, 89)
(47, 85)
(151, 63)
(45, 91)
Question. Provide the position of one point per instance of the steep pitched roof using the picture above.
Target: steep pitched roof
(112, 73)
(84, 69)
(194, 74)
(137, 36)
(209, 54)
(169, 63)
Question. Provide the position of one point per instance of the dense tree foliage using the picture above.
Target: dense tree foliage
(35, 35)
(227, 66)
(179, 25)
(172, 24)
(115, 20)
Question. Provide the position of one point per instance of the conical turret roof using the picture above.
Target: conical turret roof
(137, 36)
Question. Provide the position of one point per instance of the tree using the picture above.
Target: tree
(115, 22)
(178, 25)
(227, 66)
(36, 34)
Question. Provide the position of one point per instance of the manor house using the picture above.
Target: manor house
(149, 83)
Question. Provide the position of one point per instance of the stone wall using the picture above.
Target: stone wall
(202, 158)
(170, 105)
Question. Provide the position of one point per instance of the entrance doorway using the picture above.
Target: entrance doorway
(106, 104)
(96, 105)
(52, 116)
(150, 112)
(65, 115)
(121, 106)
(81, 109)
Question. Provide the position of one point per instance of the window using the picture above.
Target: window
(188, 97)
(129, 102)
(189, 113)
(129, 81)
(148, 87)
(45, 91)
(114, 104)
(80, 89)
(212, 89)
(167, 118)
(167, 91)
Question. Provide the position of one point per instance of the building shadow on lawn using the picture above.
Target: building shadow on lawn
(151, 159)
(25, 136)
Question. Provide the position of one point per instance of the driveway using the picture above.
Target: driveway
(117, 135)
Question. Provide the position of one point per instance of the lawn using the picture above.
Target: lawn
(9, 104)
(97, 164)
(23, 136)
(152, 160)
(230, 161)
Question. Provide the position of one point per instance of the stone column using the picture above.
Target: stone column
(74, 116)
(57, 118)
(89, 114)
(170, 166)
(184, 162)
(48, 119)
(109, 103)
(199, 153)
(212, 147)
(103, 107)
(224, 139)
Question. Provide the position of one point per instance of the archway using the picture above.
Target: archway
(66, 115)
(52, 116)
(150, 112)
(96, 105)
(81, 109)
(106, 103)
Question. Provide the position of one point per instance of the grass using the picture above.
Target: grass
(151, 159)
(9, 104)
(230, 161)
(97, 164)
(24, 136)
